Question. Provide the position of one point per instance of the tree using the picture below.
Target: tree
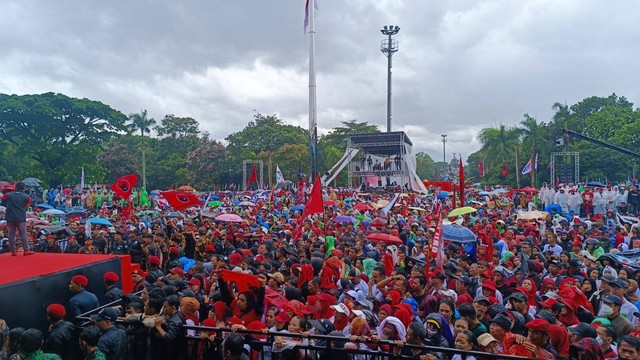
(118, 159)
(143, 123)
(177, 127)
(56, 135)
(207, 165)
(533, 134)
(499, 145)
(425, 166)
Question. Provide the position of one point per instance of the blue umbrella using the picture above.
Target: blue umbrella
(100, 221)
(551, 207)
(484, 193)
(53, 212)
(345, 219)
(297, 208)
(349, 199)
(596, 183)
(459, 234)
(44, 206)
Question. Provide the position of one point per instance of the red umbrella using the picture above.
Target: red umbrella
(329, 203)
(379, 222)
(384, 238)
(362, 207)
(4, 183)
(66, 191)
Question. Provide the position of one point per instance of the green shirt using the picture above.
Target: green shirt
(39, 355)
(95, 355)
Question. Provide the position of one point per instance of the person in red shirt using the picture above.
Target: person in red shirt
(587, 201)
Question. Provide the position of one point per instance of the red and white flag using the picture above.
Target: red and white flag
(306, 13)
(437, 247)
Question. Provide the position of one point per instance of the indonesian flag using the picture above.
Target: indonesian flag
(481, 168)
(306, 13)
(314, 205)
(124, 185)
(254, 175)
(181, 200)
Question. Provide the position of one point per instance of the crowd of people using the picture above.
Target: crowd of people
(547, 288)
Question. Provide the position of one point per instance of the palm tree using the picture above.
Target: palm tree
(500, 143)
(533, 134)
(144, 124)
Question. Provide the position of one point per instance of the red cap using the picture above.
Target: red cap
(209, 248)
(538, 325)
(336, 252)
(234, 320)
(235, 259)
(177, 271)
(490, 285)
(174, 250)
(154, 260)
(139, 272)
(194, 281)
(80, 280)
(56, 310)
(488, 274)
(548, 303)
(111, 276)
(283, 317)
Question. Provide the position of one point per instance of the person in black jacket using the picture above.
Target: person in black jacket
(113, 340)
(63, 339)
(170, 331)
(113, 293)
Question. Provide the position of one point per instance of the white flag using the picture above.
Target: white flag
(279, 176)
(82, 179)
(389, 206)
(87, 228)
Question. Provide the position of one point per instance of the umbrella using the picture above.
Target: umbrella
(457, 233)
(379, 222)
(596, 183)
(247, 203)
(214, 203)
(66, 191)
(208, 214)
(349, 199)
(329, 203)
(173, 214)
(31, 182)
(77, 209)
(533, 215)
(4, 183)
(282, 184)
(461, 211)
(56, 229)
(230, 218)
(384, 238)
(484, 193)
(499, 191)
(552, 207)
(53, 212)
(44, 206)
(186, 188)
(416, 208)
(345, 219)
(75, 214)
(100, 221)
(297, 208)
(362, 207)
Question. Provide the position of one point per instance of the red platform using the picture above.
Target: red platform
(28, 284)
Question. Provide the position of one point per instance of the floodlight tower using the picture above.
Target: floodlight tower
(388, 47)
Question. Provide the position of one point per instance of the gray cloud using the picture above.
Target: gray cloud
(462, 65)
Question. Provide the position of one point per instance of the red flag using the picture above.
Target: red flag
(124, 185)
(481, 168)
(254, 175)
(461, 183)
(180, 200)
(313, 206)
(505, 172)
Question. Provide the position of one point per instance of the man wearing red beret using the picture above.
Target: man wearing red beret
(82, 301)
(113, 293)
(62, 340)
(153, 264)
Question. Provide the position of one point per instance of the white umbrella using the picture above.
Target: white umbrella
(53, 212)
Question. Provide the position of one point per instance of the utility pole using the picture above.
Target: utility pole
(388, 48)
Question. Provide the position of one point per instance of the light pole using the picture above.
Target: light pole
(388, 48)
(444, 153)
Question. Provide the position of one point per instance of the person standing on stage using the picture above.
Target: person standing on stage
(17, 203)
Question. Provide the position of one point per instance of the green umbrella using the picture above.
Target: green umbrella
(214, 203)
(461, 211)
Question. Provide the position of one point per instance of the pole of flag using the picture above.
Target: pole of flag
(313, 111)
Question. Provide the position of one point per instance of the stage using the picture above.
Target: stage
(28, 284)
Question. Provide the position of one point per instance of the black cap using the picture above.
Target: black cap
(612, 299)
(619, 283)
(583, 329)
(517, 295)
(502, 320)
(608, 279)
(465, 280)
(575, 263)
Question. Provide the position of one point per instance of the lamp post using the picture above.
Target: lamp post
(388, 48)
(444, 153)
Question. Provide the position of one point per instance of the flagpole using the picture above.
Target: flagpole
(313, 111)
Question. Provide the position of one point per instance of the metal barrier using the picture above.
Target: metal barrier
(315, 351)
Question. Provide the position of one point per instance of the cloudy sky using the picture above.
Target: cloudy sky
(462, 65)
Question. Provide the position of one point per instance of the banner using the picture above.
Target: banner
(527, 168)
(481, 168)
(390, 205)
(437, 247)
